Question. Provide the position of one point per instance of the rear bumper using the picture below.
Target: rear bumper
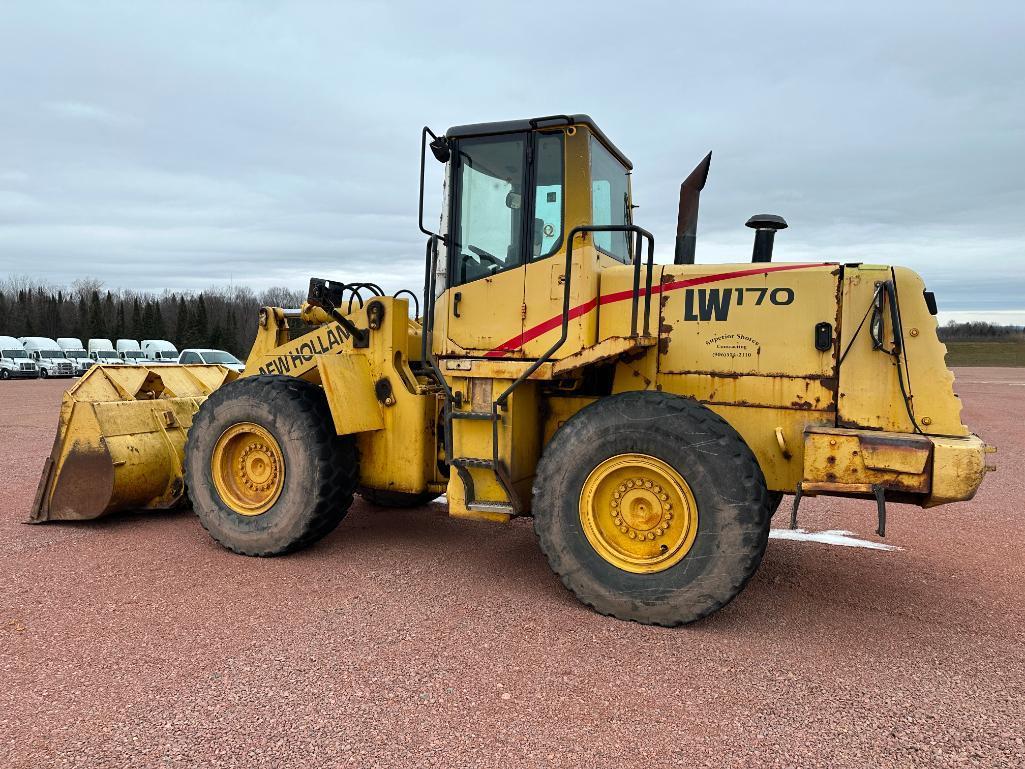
(922, 469)
(958, 467)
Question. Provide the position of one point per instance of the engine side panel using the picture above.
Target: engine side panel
(741, 339)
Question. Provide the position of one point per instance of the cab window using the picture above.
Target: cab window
(610, 202)
(548, 195)
(490, 175)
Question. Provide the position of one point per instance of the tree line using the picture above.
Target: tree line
(980, 331)
(220, 318)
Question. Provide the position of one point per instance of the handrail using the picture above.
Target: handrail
(427, 336)
(423, 157)
(639, 233)
(533, 122)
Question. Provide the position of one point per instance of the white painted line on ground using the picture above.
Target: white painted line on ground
(831, 537)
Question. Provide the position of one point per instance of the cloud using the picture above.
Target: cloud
(74, 110)
(180, 146)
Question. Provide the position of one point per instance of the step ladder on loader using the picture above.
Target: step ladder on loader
(543, 368)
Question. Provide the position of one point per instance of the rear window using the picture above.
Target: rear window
(610, 201)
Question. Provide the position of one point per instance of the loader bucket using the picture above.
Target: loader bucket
(121, 440)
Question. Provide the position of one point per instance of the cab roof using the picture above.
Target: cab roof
(530, 124)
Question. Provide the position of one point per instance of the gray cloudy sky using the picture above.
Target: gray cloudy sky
(178, 145)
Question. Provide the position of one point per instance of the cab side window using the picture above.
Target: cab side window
(548, 195)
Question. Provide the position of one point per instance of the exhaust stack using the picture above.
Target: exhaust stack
(765, 226)
(687, 220)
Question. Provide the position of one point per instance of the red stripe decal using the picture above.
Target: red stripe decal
(582, 309)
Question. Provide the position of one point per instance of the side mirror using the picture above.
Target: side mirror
(440, 149)
(514, 200)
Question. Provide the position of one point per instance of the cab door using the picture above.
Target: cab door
(487, 242)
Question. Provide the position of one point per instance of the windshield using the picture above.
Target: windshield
(106, 354)
(15, 354)
(217, 356)
(51, 353)
(134, 354)
(76, 353)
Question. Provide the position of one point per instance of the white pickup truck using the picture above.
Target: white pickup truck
(15, 363)
(195, 355)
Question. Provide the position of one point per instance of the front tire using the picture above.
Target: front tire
(43, 374)
(650, 507)
(5, 374)
(265, 471)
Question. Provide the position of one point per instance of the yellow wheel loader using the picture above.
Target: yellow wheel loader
(649, 417)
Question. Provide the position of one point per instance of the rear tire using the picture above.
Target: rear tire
(313, 471)
(398, 499)
(729, 507)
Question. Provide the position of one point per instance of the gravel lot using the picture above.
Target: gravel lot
(411, 639)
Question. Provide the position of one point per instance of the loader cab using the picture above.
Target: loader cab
(514, 191)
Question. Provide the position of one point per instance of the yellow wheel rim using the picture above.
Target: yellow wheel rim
(248, 468)
(638, 513)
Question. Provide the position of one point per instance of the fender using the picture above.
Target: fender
(349, 387)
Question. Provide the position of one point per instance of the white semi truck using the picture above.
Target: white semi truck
(130, 352)
(49, 357)
(75, 352)
(159, 351)
(15, 363)
(103, 352)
